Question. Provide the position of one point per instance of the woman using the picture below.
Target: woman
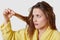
(40, 24)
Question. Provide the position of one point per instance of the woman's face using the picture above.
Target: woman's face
(39, 19)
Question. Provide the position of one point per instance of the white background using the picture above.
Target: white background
(22, 7)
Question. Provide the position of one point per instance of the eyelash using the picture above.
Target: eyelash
(37, 16)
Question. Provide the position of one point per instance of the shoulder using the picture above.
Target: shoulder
(56, 35)
(56, 32)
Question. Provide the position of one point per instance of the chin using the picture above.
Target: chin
(37, 27)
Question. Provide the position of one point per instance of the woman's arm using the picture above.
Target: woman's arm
(7, 16)
(6, 30)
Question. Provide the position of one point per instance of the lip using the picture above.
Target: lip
(35, 24)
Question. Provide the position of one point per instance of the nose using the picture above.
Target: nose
(34, 20)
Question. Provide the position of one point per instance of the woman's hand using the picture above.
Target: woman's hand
(24, 18)
(8, 14)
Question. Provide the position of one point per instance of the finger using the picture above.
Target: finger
(10, 15)
(5, 12)
(10, 10)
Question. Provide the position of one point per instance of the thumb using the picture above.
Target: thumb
(10, 15)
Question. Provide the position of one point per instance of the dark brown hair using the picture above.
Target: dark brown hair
(48, 11)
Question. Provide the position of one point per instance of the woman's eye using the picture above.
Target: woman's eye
(38, 15)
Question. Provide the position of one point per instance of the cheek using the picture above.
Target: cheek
(42, 21)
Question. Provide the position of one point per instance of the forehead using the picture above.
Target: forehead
(37, 11)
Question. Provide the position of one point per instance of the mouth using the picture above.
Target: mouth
(35, 24)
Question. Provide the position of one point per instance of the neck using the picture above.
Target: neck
(42, 30)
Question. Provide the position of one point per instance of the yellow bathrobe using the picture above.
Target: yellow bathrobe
(8, 34)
